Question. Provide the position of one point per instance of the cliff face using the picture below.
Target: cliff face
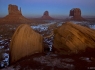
(13, 10)
(14, 16)
(46, 16)
(76, 14)
(25, 42)
(73, 38)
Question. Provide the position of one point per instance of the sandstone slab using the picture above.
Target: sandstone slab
(25, 42)
(73, 38)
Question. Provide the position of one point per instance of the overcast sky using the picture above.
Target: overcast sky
(56, 8)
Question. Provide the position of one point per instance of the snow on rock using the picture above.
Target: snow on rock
(1, 47)
(40, 28)
(49, 42)
(5, 61)
(6, 56)
(4, 48)
(92, 26)
(2, 41)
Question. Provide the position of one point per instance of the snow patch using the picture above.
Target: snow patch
(85, 59)
(1, 47)
(92, 26)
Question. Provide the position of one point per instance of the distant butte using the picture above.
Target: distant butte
(14, 16)
(46, 16)
(76, 14)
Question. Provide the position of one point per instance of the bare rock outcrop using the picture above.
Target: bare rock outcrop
(76, 14)
(14, 16)
(46, 16)
(25, 42)
(73, 39)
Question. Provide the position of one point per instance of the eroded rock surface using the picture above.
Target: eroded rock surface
(25, 42)
(73, 38)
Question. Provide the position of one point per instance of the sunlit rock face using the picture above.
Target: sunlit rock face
(76, 14)
(14, 16)
(73, 38)
(46, 16)
(25, 42)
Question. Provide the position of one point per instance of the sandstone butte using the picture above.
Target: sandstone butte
(75, 14)
(14, 16)
(46, 16)
(73, 39)
(24, 42)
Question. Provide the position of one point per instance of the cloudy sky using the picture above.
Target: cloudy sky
(56, 8)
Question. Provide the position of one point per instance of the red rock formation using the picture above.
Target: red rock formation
(76, 13)
(13, 10)
(14, 16)
(73, 39)
(46, 16)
